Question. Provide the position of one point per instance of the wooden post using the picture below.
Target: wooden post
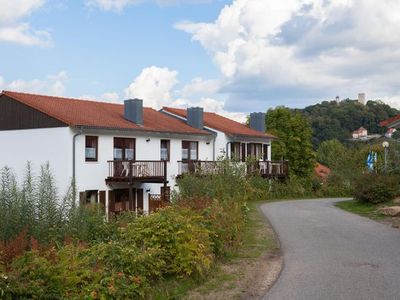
(130, 197)
(165, 177)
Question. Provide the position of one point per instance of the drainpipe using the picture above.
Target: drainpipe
(214, 148)
(73, 153)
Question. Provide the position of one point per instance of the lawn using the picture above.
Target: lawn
(363, 209)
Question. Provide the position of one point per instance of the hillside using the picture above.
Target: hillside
(332, 120)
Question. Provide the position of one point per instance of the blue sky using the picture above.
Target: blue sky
(105, 50)
(230, 56)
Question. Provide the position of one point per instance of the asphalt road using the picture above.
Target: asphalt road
(333, 254)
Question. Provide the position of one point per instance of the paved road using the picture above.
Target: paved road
(332, 254)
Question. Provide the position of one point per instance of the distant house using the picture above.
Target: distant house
(389, 132)
(360, 133)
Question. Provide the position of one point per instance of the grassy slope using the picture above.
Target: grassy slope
(363, 209)
(225, 274)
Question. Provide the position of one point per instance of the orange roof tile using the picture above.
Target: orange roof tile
(322, 171)
(223, 124)
(388, 122)
(77, 112)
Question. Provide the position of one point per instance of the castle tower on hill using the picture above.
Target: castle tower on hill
(362, 98)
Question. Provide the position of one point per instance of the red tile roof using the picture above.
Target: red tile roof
(388, 122)
(322, 171)
(77, 112)
(223, 124)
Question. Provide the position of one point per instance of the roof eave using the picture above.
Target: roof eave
(144, 131)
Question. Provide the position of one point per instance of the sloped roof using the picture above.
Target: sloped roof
(359, 130)
(389, 122)
(77, 112)
(220, 123)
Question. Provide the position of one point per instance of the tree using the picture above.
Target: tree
(331, 120)
(331, 153)
(294, 140)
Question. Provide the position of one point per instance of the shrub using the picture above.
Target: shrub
(376, 188)
(179, 234)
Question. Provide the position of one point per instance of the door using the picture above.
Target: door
(111, 202)
(139, 198)
(102, 199)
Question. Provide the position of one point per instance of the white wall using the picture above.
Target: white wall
(92, 175)
(53, 145)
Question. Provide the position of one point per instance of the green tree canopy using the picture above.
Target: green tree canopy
(330, 120)
(294, 140)
(331, 153)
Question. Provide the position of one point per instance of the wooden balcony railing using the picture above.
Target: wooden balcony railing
(138, 170)
(268, 169)
(199, 167)
(274, 169)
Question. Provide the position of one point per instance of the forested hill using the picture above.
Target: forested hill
(332, 120)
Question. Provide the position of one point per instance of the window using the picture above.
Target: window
(88, 197)
(124, 149)
(164, 152)
(189, 150)
(91, 148)
(254, 150)
(235, 151)
(243, 152)
(265, 150)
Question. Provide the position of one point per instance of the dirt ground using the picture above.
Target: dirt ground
(391, 221)
(251, 274)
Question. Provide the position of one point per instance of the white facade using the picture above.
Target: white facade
(55, 145)
(39, 146)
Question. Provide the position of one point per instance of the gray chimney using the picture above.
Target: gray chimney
(257, 121)
(133, 111)
(194, 117)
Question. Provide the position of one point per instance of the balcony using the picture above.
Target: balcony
(129, 171)
(266, 169)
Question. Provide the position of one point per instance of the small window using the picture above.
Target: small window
(124, 149)
(164, 154)
(190, 150)
(91, 149)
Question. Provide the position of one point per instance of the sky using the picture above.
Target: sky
(229, 56)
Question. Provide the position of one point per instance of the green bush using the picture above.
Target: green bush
(180, 236)
(376, 188)
(172, 242)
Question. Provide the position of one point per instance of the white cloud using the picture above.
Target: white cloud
(12, 30)
(110, 97)
(199, 87)
(119, 5)
(211, 105)
(157, 87)
(154, 85)
(270, 51)
(52, 84)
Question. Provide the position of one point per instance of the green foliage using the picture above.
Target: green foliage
(331, 120)
(331, 153)
(294, 140)
(179, 234)
(122, 259)
(376, 188)
(35, 210)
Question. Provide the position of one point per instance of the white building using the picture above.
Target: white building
(360, 133)
(389, 133)
(119, 155)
